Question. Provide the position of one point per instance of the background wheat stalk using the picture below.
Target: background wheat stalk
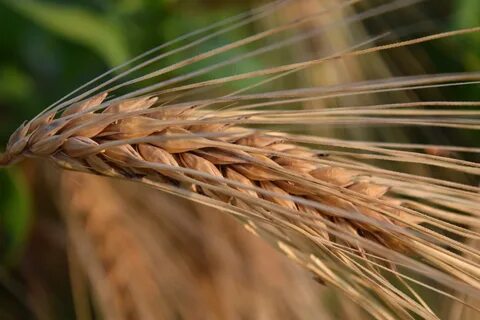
(349, 222)
(177, 254)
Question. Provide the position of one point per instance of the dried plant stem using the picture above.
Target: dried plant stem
(200, 257)
(121, 273)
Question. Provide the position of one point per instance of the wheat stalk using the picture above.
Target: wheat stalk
(98, 228)
(180, 253)
(345, 220)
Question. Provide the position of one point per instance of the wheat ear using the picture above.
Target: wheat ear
(349, 222)
(263, 177)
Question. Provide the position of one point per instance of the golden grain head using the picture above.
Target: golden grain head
(344, 209)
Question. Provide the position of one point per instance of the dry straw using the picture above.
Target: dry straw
(366, 230)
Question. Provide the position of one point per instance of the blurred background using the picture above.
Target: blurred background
(56, 259)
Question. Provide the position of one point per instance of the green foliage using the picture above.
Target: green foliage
(15, 84)
(15, 214)
(79, 25)
(468, 15)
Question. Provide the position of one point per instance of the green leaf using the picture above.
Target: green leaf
(79, 25)
(15, 214)
(468, 13)
(468, 16)
(15, 84)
